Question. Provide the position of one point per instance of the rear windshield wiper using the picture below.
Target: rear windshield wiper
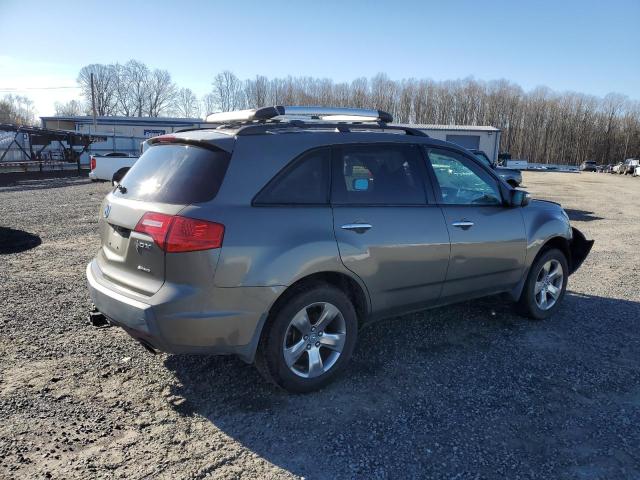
(122, 188)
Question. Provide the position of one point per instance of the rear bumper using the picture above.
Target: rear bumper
(184, 320)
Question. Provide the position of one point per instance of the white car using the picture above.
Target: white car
(110, 167)
(636, 172)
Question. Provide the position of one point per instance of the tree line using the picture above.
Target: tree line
(541, 125)
(17, 109)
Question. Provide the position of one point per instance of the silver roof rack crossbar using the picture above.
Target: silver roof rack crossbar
(340, 113)
(264, 113)
(320, 113)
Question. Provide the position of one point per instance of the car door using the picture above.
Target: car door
(488, 238)
(390, 231)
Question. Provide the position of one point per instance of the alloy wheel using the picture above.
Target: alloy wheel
(548, 285)
(314, 339)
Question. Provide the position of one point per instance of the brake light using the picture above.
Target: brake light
(92, 159)
(181, 234)
(164, 139)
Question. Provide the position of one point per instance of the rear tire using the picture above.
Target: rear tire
(545, 286)
(309, 340)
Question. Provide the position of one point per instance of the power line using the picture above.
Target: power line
(15, 89)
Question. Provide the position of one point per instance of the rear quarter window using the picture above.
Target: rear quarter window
(176, 174)
(303, 182)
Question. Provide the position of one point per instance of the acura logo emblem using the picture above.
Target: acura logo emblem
(107, 210)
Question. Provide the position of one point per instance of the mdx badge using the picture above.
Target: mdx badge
(142, 246)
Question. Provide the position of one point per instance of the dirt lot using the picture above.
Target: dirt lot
(468, 391)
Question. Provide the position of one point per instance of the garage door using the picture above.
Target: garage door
(471, 142)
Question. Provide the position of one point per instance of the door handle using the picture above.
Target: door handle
(356, 227)
(464, 224)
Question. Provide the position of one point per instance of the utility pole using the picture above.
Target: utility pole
(93, 104)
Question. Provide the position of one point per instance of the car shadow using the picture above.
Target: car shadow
(581, 215)
(453, 386)
(16, 241)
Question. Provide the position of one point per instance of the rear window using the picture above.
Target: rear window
(178, 174)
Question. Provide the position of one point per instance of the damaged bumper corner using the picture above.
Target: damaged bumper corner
(580, 248)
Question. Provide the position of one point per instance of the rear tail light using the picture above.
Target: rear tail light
(173, 233)
(190, 234)
(156, 225)
(92, 159)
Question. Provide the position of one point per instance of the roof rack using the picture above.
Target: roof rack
(318, 113)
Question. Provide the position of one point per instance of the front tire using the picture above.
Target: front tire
(309, 340)
(545, 286)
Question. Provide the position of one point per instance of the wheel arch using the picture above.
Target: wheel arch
(556, 241)
(356, 291)
(354, 288)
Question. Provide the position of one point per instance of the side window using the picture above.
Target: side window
(378, 175)
(304, 182)
(461, 181)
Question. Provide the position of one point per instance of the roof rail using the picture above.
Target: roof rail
(266, 127)
(320, 113)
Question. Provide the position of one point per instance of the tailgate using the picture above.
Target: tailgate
(127, 258)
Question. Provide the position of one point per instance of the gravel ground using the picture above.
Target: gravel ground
(466, 391)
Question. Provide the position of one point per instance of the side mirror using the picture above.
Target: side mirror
(360, 184)
(520, 198)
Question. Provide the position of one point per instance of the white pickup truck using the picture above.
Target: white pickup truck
(110, 167)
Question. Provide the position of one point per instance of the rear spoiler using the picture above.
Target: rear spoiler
(580, 248)
(225, 144)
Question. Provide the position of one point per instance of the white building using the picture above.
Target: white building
(124, 134)
(472, 137)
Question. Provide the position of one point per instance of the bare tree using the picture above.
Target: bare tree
(160, 91)
(208, 104)
(104, 80)
(131, 82)
(256, 92)
(137, 80)
(227, 92)
(186, 104)
(69, 109)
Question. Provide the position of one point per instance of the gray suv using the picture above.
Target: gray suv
(279, 233)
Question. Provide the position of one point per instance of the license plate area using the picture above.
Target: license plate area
(118, 239)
